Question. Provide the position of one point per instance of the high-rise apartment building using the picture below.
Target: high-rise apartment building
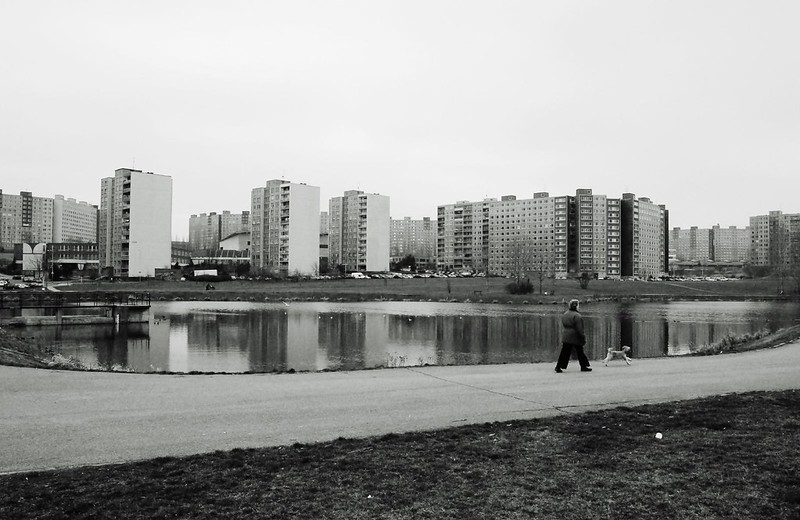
(558, 236)
(135, 223)
(645, 241)
(522, 235)
(207, 230)
(284, 224)
(775, 239)
(28, 219)
(231, 223)
(74, 221)
(731, 244)
(462, 236)
(25, 219)
(693, 244)
(759, 240)
(415, 237)
(599, 234)
(359, 231)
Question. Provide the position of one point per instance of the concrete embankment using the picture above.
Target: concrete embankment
(32, 321)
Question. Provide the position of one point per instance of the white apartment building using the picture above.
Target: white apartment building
(74, 221)
(284, 228)
(359, 234)
(25, 219)
(135, 223)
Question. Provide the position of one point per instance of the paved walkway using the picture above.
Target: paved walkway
(55, 419)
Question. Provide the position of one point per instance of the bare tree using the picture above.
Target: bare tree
(520, 256)
(779, 250)
(542, 264)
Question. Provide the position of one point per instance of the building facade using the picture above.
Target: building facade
(359, 232)
(645, 241)
(284, 228)
(462, 236)
(135, 223)
(775, 239)
(25, 219)
(693, 244)
(522, 236)
(555, 236)
(207, 230)
(731, 244)
(416, 237)
(73, 221)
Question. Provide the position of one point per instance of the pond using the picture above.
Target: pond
(305, 336)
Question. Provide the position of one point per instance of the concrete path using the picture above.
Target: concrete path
(55, 419)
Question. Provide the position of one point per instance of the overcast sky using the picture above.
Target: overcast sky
(694, 104)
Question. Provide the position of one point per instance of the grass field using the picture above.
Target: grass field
(461, 289)
(732, 456)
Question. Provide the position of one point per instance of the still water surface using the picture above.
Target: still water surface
(305, 336)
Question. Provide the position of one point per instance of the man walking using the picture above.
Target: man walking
(573, 337)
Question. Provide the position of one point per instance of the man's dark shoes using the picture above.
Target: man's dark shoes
(558, 370)
(586, 369)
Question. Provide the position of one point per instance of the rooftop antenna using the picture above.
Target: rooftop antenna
(133, 163)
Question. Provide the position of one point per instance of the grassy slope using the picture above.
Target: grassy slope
(733, 456)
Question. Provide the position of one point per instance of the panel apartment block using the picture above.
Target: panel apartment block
(731, 244)
(693, 244)
(522, 236)
(74, 221)
(25, 219)
(774, 238)
(135, 223)
(462, 236)
(416, 237)
(359, 237)
(207, 230)
(645, 241)
(284, 224)
(560, 235)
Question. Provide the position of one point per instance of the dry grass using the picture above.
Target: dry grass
(436, 289)
(733, 456)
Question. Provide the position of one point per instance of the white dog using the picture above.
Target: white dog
(618, 354)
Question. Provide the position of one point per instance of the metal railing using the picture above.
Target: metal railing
(33, 300)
